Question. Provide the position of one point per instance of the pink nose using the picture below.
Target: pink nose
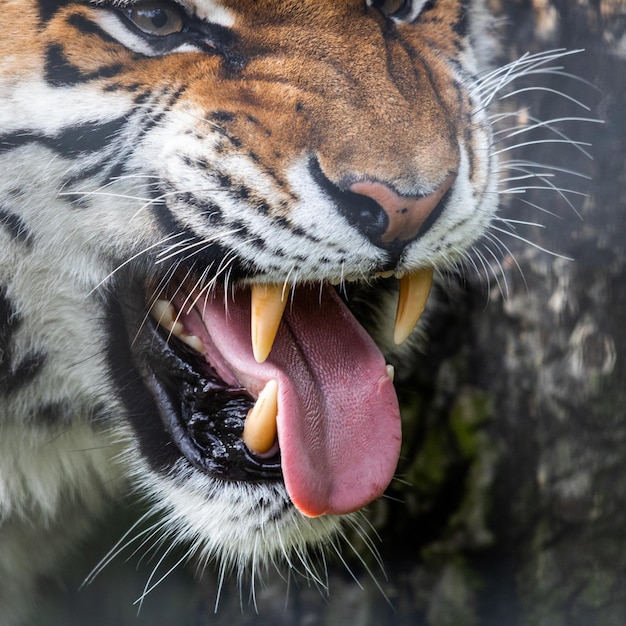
(406, 214)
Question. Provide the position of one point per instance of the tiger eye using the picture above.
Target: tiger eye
(156, 18)
(389, 7)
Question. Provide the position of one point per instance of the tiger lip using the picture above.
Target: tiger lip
(268, 302)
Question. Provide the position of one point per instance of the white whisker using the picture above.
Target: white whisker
(130, 260)
(531, 243)
(539, 142)
(151, 586)
(508, 220)
(529, 165)
(122, 544)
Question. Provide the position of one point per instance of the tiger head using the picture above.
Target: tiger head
(206, 188)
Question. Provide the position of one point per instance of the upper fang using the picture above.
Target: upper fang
(267, 306)
(414, 292)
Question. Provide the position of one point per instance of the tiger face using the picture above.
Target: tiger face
(195, 196)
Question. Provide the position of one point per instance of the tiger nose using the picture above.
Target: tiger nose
(399, 219)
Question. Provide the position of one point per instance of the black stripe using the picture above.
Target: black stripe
(49, 8)
(15, 140)
(59, 72)
(85, 26)
(221, 116)
(211, 210)
(23, 373)
(14, 377)
(9, 323)
(461, 26)
(71, 142)
(15, 226)
(154, 442)
(54, 413)
(89, 137)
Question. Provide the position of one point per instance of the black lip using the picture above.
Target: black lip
(191, 406)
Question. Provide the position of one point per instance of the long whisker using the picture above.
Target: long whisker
(531, 243)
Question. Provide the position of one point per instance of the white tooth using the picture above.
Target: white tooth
(414, 292)
(163, 312)
(267, 306)
(193, 342)
(388, 274)
(391, 372)
(260, 429)
(176, 328)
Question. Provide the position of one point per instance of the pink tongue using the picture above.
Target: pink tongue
(338, 417)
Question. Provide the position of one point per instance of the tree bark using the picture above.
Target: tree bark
(551, 355)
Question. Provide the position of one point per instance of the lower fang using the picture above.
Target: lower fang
(260, 428)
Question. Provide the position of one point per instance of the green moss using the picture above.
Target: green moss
(599, 590)
(472, 410)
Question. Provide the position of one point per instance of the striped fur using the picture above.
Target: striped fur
(126, 158)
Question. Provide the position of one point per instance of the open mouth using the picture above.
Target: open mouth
(266, 382)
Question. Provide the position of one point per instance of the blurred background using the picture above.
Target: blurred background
(510, 507)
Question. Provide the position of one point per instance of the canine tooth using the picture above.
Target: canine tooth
(387, 274)
(163, 312)
(259, 431)
(414, 291)
(268, 305)
(391, 372)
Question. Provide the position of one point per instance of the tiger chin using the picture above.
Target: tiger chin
(219, 226)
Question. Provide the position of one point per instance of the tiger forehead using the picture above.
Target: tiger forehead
(263, 13)
(269, 7)
(226, 12)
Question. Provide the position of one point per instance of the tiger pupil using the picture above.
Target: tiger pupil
(159, 18)
(156, 17)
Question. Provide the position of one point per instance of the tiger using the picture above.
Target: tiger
(220, 222)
